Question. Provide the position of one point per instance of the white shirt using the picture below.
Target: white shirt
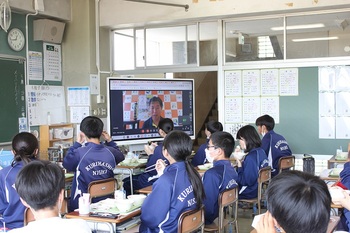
(55, 225)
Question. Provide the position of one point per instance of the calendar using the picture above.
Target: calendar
(52, 62)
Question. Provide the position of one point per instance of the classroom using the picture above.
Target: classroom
(68, 52)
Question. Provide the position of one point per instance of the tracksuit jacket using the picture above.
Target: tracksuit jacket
(11, 207)
(91, 162)
(171, 195)
(279, 148)
(222, 176)
(249, 172)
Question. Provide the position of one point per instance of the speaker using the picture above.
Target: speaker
(48, 30)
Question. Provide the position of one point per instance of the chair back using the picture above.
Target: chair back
(263, 179)
(286, 162)
(191, 220)
(28, 216)
(100, 188)
(227, 198)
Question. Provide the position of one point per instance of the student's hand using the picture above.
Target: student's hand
(266, 224)
(81, 137)
(106, 136)
(149, 149)
(343, 200)
(160, 166)
(239, 162)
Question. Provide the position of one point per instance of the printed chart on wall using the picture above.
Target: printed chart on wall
(334, 105)
(44, 100)
(52, 62)
(78, 99)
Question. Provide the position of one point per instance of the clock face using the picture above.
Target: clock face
(15, 39)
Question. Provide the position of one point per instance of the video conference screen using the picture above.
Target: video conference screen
(135, 106)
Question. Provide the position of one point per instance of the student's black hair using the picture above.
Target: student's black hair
(166, 124)
(92, 127)
(39, 183)
(251, 137)
(266, 120)
(214, 126)
(156, 99)
(300, 202)
(24, 145)
(179, 146)
(223, 140)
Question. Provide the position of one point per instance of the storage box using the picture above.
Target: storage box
(63, 133)
(6, 158)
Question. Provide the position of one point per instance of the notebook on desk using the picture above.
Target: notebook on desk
(128, 224)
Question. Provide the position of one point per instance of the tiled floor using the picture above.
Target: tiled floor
(245, 220)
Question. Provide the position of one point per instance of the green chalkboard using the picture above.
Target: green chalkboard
(12, 97)
(299, 118)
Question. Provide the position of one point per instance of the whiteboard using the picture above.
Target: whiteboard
(44, 100)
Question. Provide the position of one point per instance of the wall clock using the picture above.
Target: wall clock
(16, 39)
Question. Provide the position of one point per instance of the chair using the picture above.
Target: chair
(28, 216)
(264, 178)
(191, 220)
(286, 163)
(226, 199)
(101, 188)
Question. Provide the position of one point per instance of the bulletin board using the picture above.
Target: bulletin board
(299, 118)
(12, 90)
(44, 100)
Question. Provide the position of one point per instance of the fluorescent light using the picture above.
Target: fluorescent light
(303, 26)
(315, 39)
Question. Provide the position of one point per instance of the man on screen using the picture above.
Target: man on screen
(155, 107)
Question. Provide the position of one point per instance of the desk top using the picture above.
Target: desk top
(145, 190)
(131, 166)
(119, 219)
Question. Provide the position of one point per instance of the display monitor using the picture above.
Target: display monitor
(134, 102)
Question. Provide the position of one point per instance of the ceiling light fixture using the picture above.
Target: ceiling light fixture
(296, 27)
(315, 39)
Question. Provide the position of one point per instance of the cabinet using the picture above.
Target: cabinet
(48, 137)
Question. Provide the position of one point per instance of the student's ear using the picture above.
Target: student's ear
(60, 198)
(36, 151)
(24, 203)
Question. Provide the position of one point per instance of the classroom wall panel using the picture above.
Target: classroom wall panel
(299, 122)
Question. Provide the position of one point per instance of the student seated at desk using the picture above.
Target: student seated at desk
(178, 189)
(93, 161)
(345, 181)
(296, 202)
(210, 128)
(149, 176)
(248, 169)
(222, 176)
(40, 184)
(25, 148)
(274, 145)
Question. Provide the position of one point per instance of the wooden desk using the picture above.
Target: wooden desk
(111, 223)
(145, 190)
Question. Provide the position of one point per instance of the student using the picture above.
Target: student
(91, 162)
(274, 145)
(296, 202)
(222, 176)
(147, 178)
(155, 107)
(345, 181)
(40, 185)
(25, 149)
(248, 169)
(177, 190)
(210, 128)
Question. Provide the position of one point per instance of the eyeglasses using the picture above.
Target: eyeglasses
(215, 147)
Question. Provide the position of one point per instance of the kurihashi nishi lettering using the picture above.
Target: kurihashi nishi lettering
(98, 163)
(185, 193)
